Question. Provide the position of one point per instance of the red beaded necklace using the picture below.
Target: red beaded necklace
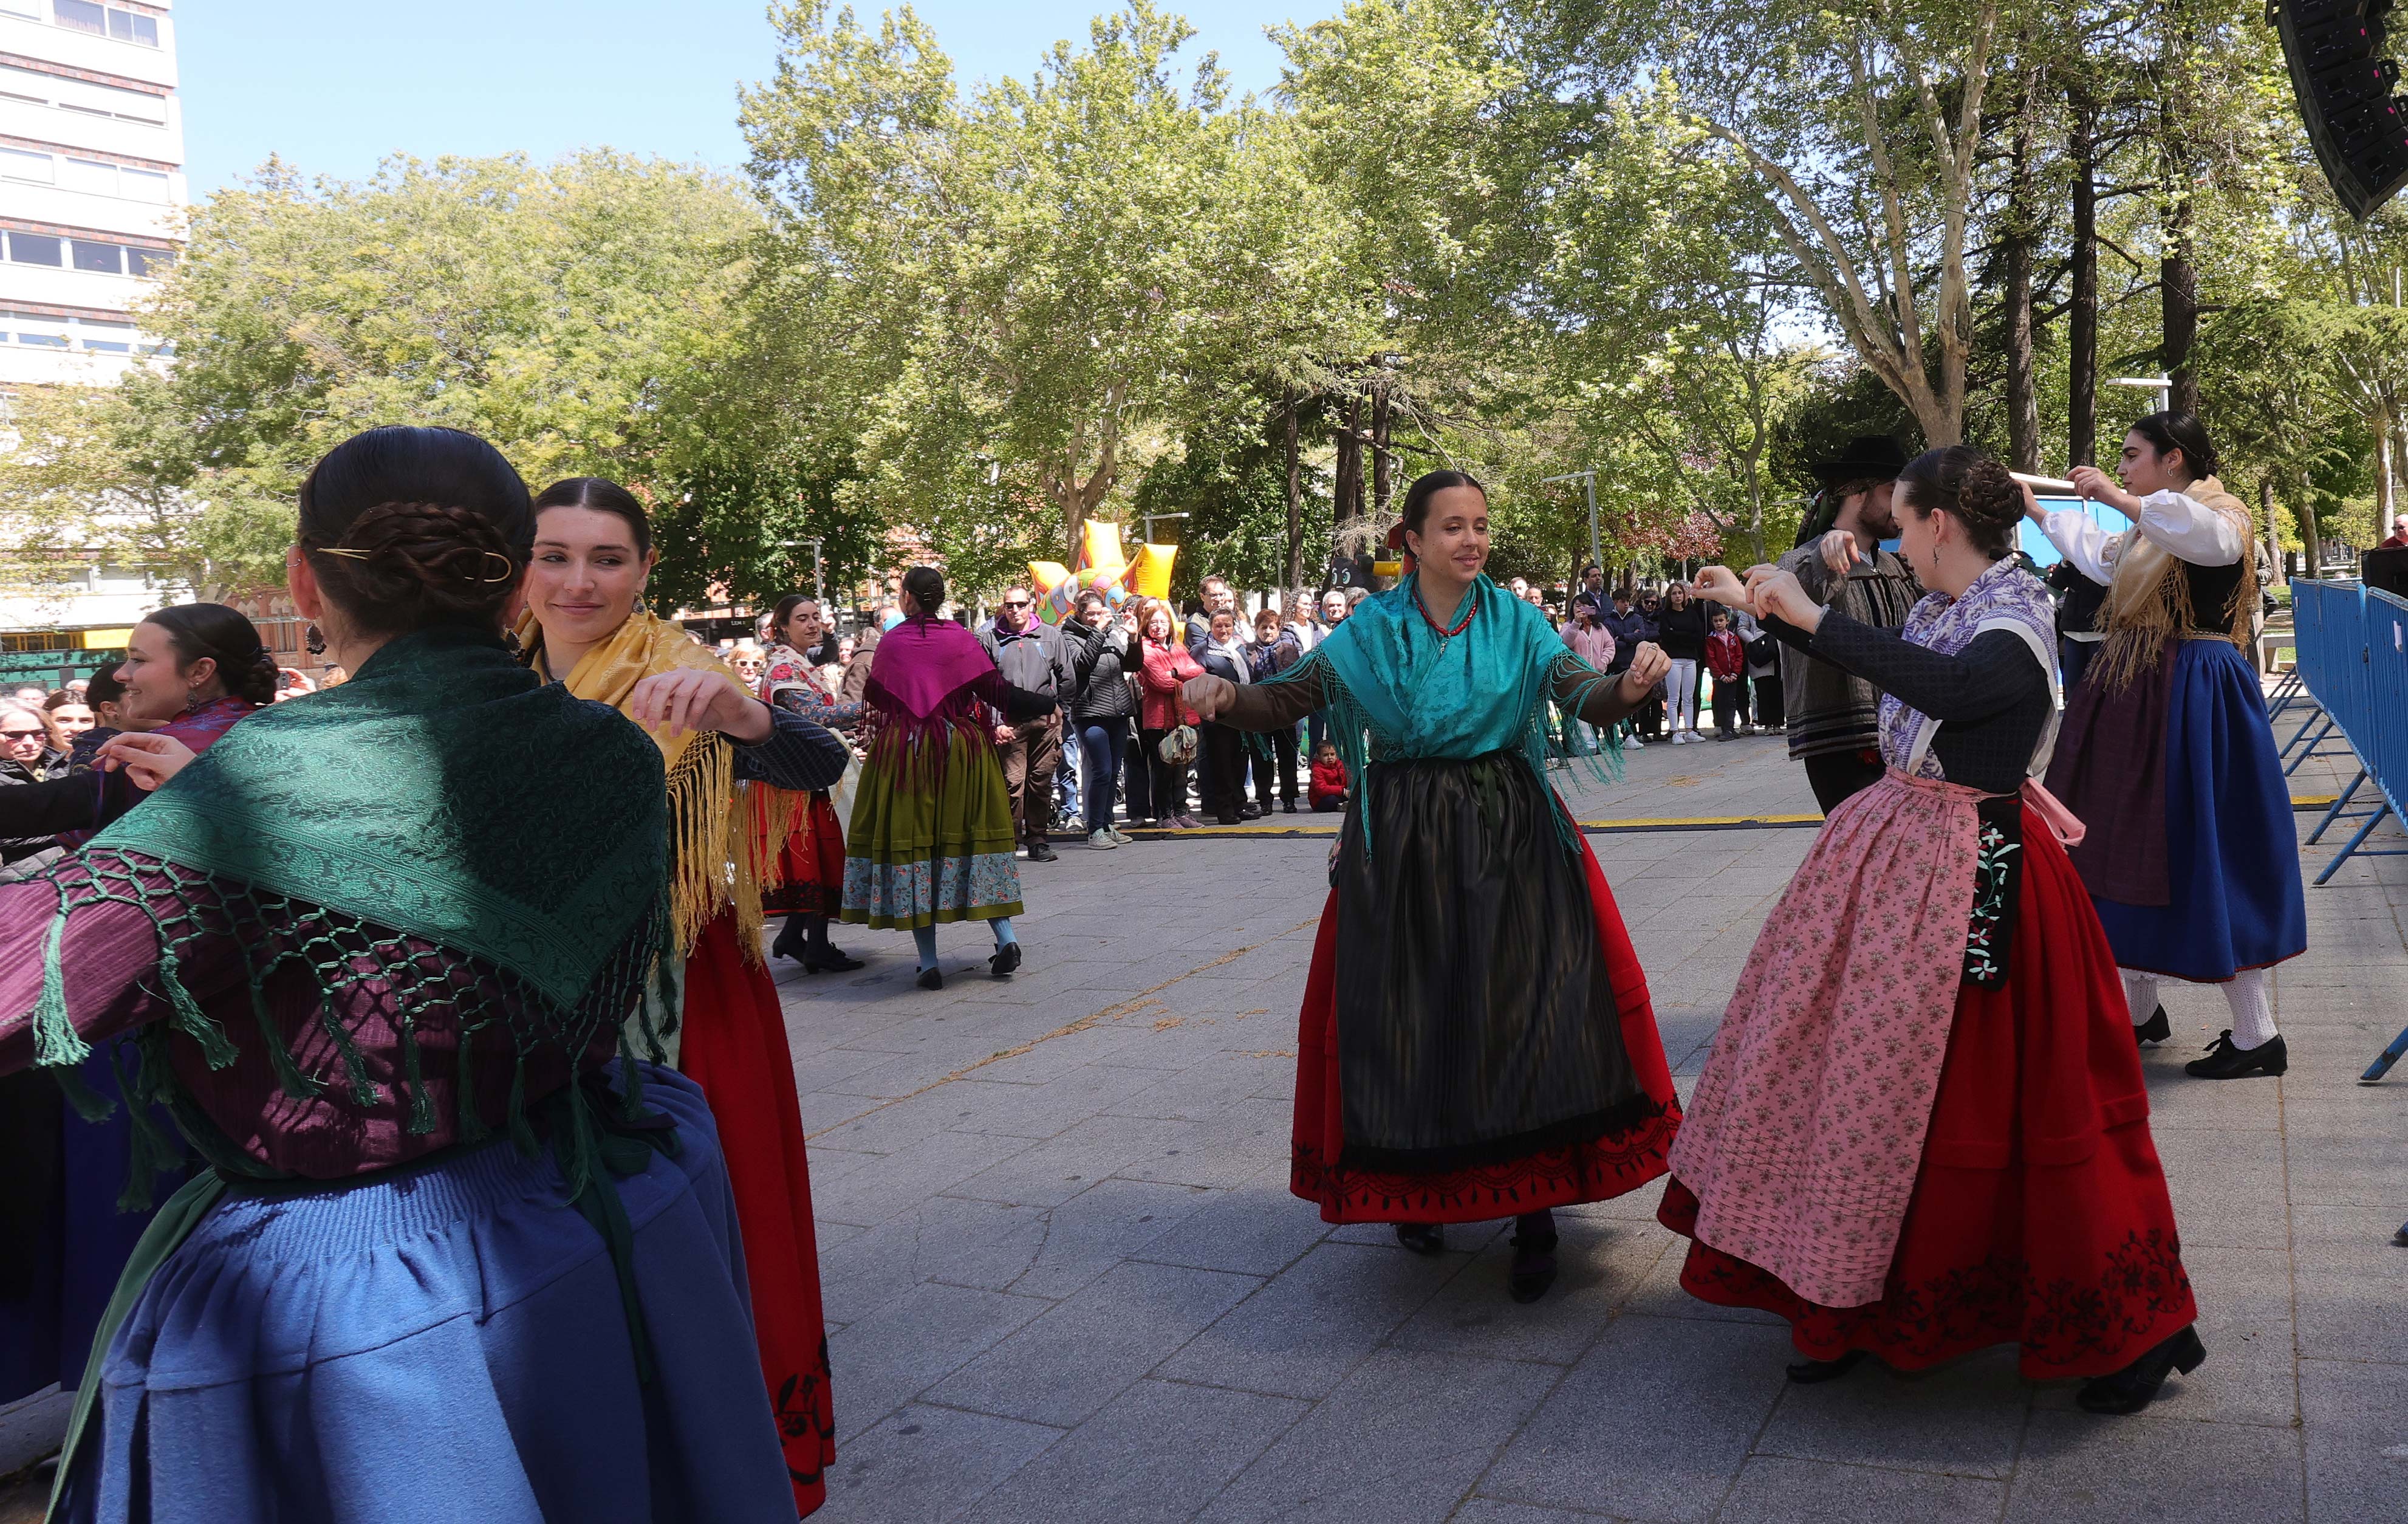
(1470, 606)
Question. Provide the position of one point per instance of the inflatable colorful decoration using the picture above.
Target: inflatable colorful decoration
(1104, 566)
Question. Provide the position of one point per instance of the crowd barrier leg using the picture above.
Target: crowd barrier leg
(2352, 849)
(2340, 808)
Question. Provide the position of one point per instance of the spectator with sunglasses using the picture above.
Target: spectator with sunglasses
(1032, 656)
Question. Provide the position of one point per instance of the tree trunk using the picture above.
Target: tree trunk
(2021, 233)
(2082, 308)
(2177, 269)
(1383, 461)
(1294, 510)
(2265, 518)
(1346, 484)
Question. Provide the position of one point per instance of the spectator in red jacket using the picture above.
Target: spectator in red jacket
(1727, 659)
(1167, 667)
(1328, 789)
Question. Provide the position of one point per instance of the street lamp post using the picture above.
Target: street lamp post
(1588, 478)
(2162, 386)
(814, 542)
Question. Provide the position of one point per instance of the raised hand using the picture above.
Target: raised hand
(149, 760)
(1839, 551)
(1208, 694)
(2095, 484)
(1649, 664)
(698, 698)
(1778, 596)
(1721, 584)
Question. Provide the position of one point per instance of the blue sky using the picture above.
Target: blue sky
(334, 85)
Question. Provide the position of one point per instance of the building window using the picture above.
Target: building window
(101, 258)
(34, 248)
(106, 338)
(88, 174)
(142, 185)
(94, 254)
(31, 9)
(132, 26)
(148, 261)
(86, 97)
(106, 22)
(15, 164)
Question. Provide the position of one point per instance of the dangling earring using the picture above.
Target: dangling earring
(191, 699)
(315, 642)
(511, 639)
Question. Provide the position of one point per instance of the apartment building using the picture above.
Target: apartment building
(91, 178)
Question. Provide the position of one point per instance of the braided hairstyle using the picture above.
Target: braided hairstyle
(226, 637)
(1972, 488)
(416, 528)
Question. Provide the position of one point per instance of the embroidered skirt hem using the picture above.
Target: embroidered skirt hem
(2039, 1215)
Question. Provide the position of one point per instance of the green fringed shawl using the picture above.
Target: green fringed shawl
(1396, 691)
(402, 801)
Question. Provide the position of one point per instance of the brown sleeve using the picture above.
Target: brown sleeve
(1268, 705)
(1604, 703)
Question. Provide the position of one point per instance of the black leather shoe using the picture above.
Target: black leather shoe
(1006, 958)
(2156, 1029)
(1421, 1237)
(1534, 1257)
(829, 960)
(932, 978)
(1041, 851)
(1814, 1372)
(791, 943)
(2225, 1062)
(2129, 1389)
(1288, 805)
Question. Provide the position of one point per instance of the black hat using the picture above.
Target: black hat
(1874, 457)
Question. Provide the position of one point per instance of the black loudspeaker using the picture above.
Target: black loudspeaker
(2342, 85)
(2386, 570)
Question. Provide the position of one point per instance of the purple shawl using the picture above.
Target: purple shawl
(922, 662)
(2006, 596)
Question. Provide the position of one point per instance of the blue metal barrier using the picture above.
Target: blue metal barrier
(2322, 628)
(2353, 656)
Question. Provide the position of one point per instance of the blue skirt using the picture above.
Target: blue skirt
(444, 1344)
(2232, 850)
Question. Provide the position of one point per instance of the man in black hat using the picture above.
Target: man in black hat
(1835, 719)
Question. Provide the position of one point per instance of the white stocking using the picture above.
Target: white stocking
(2141, 993)
(2251, 996)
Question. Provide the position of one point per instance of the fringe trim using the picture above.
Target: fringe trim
(2148, 603)
(719, 860)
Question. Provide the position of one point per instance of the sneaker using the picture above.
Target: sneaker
(1119, 837)
(1189, 823)
(1101, 840)
(1634, 745)
(1680, 738)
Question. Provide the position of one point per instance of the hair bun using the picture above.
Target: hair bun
(1991, 495)
(444, 565)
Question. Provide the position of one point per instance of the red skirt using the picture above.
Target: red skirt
(734, 1045)
(2039, 1215)
(809, 878)
(1597, 1171)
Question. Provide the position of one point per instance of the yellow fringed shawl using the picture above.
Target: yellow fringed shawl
(718, 860)
(2148, 603)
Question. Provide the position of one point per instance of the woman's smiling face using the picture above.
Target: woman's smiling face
(586, 575)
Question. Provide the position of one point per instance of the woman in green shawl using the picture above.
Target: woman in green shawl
(1477, 1040)
(453, 1250)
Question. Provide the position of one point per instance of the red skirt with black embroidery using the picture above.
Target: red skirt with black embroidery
(2039, 1215)
(1599, 1170)
(810, 876)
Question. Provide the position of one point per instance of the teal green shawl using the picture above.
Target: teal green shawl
(444, 793)
(1397, 691)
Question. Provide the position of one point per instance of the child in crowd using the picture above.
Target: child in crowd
(1727, 659)
(1328, 779)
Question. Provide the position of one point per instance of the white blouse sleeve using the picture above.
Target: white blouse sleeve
(2190, 529)
(2080, 539)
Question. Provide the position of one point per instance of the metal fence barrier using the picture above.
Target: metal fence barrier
(2353, 658)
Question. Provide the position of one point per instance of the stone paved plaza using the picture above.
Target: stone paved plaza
(1066, 1281)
